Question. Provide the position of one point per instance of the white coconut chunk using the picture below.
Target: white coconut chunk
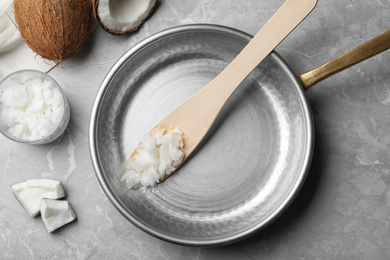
(132, 179)
(30, 193)
(156, 158)
(165, 169)
(152, 175)
(14, 97)
(124, 15)
(57, 99)
(56, 114)
(164, 153)
(46, 86)
(36, 89)
(35, 107)
(174, 153)
(135, 164)
(56, 213)
(178, 131)
(159, 132)
(47, 93)
(148, 143)
(148, 158)
(48, 113)
(17, 131)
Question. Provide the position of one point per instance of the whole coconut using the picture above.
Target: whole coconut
(54, 29)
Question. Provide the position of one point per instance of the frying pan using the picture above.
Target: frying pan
(250, 166)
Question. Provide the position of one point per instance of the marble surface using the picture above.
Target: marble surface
(343, 209)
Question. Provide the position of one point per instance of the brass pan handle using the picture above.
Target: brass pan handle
(358, 54)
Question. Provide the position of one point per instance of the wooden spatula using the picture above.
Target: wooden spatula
(197, 114)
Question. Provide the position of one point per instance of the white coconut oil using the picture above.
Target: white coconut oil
(31, 107)
(156, 157)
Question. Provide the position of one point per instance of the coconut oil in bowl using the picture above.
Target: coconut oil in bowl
(33, 107)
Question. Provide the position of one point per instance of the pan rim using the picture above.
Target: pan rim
(95, 156)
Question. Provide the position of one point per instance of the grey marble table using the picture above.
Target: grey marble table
(343, 209)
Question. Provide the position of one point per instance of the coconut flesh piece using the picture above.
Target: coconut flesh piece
(30, 193)
(56, 213)
(156, 158)
(122, 16)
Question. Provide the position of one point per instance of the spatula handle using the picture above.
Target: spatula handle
(197, 114)
(289, 15)
(354, 56)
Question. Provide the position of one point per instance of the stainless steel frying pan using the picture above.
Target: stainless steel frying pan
(251, 165)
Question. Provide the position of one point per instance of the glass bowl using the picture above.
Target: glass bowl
(36, 111)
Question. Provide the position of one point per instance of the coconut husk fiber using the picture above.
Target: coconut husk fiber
(54, 29)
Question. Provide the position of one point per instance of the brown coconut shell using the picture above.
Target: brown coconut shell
(95, 6)
(54, 29)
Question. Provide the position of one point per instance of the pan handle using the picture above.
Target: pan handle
(354, 56)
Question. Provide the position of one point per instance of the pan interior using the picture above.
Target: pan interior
(248, 168)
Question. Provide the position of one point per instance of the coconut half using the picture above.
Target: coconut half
(120, 17)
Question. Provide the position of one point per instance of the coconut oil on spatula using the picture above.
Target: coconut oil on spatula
(175, 137)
